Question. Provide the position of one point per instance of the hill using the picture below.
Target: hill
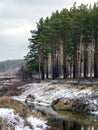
(10, 65)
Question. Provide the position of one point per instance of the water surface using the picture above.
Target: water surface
(69, 120)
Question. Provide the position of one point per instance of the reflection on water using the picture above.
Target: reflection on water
(70, 120)
(69, 125)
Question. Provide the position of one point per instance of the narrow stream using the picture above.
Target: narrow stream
(68, 120)
(64, 124)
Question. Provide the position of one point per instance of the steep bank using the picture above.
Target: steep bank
(62, 95)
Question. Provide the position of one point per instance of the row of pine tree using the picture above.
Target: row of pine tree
(65, 44)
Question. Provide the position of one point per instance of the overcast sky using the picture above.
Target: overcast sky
(18, 17)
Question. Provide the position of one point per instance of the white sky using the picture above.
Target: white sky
(18, 17)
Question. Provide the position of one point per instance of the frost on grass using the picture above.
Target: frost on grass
(50, 93)
(37, 123)
(13, 120)
(46, 92)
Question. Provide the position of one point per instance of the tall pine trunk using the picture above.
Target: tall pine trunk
(79, 52)
(77, 63)
(42, 68)
(47, 67)
(96, 57)
(64, 59)
(85, 60)
(53, 60)
(41, 62)
(92, 55)
(75, 60)
(60, 57)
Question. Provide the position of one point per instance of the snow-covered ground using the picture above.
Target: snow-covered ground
(46, 92)
(14, 120)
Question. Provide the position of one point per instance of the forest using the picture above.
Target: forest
(10, 64)
(65, 45)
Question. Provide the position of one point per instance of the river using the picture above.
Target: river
(88, 123)
(69, 120)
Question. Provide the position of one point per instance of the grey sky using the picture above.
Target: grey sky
(18, 17)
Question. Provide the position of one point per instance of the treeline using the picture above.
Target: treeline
(66, 44)
(10, 64)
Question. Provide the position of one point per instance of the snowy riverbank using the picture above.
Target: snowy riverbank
(81, 98)
(46, 92)
(12, 120)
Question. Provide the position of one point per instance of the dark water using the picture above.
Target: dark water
(64, 124)
(69, 120)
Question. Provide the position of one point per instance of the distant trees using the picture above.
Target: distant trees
(66, 44)
(10, 64)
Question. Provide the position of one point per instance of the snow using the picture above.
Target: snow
(46, 92)
(95, 113)
(37, 123)
(18, 122)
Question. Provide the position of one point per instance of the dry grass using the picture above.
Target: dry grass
(26, 123)
(37, 115)
(7, 102)
(10, 90)
(13, 89)
(52, 128)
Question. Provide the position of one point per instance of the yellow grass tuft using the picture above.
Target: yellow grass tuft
(52, 128)
(26, 123)
(7, 102)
